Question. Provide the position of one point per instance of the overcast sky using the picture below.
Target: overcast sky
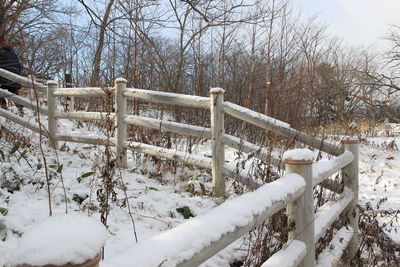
(357, 22)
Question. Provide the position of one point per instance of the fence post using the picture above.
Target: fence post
(301, 211)
(51, 109)
(120, 111)
(32, 80)
(350, 179)
(217, 147)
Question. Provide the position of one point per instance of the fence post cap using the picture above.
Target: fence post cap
(216, 91)
(121, 80)
(350, 141)
(300, 156)
(52, 82)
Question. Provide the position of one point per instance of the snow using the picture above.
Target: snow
(333, 252)
(323, 168)
(70, 238)
(291, 254)
(381, 142)
(330, 211)
(154, 193)
(121, 80)
(182, 242)
(217, 90)
(298, 154)
(257, 115)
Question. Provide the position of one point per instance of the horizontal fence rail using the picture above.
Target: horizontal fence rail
(23, 122)
(193, 241)
(83, 92)
(21, 80)
(168, 98)
(247, 147)
(280, 127)
(102, 116)
(295, 248)
(330, 212)
(192, 159)
(169, 126)
(23, 101)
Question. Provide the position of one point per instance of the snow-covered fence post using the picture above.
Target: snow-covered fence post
(217, 147)
(350, 178)
(52, 109)
(120, 112)
(301, 211)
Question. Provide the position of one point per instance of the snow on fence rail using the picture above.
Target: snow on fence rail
(192, 243)
(292, 190)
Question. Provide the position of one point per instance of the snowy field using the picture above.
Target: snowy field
(158, 197)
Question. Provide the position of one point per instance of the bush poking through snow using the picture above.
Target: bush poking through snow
(185, 211)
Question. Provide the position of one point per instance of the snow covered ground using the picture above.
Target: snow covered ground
(154, 193)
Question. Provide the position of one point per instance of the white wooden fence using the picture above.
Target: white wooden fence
(391, 129)
(294, 190)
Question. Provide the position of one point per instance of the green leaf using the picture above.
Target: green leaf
(3, 211)
(152, 188)
(85, 175)
(59, 169)
(189, 166)
(190, 188)
(15, 147)
(185, 211)
(23, 154)
(78, 199)
(39, 166)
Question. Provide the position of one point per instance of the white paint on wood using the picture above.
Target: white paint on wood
(332, 185)
(301, 211)
(331, 255)
(192, 242)
(192, 159)
(330, 212)
(241, 177)
(279, 127)
(291, 255)
(350, 177)
(52, 109)
(247, 147)
(324, 169)
(22, 101)
(21, 121)
(169, 126)
(83, 91)
(104, 116)
(236, 110)
(217, 147)
(20, 79)
(120, 111)
(168, 98)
